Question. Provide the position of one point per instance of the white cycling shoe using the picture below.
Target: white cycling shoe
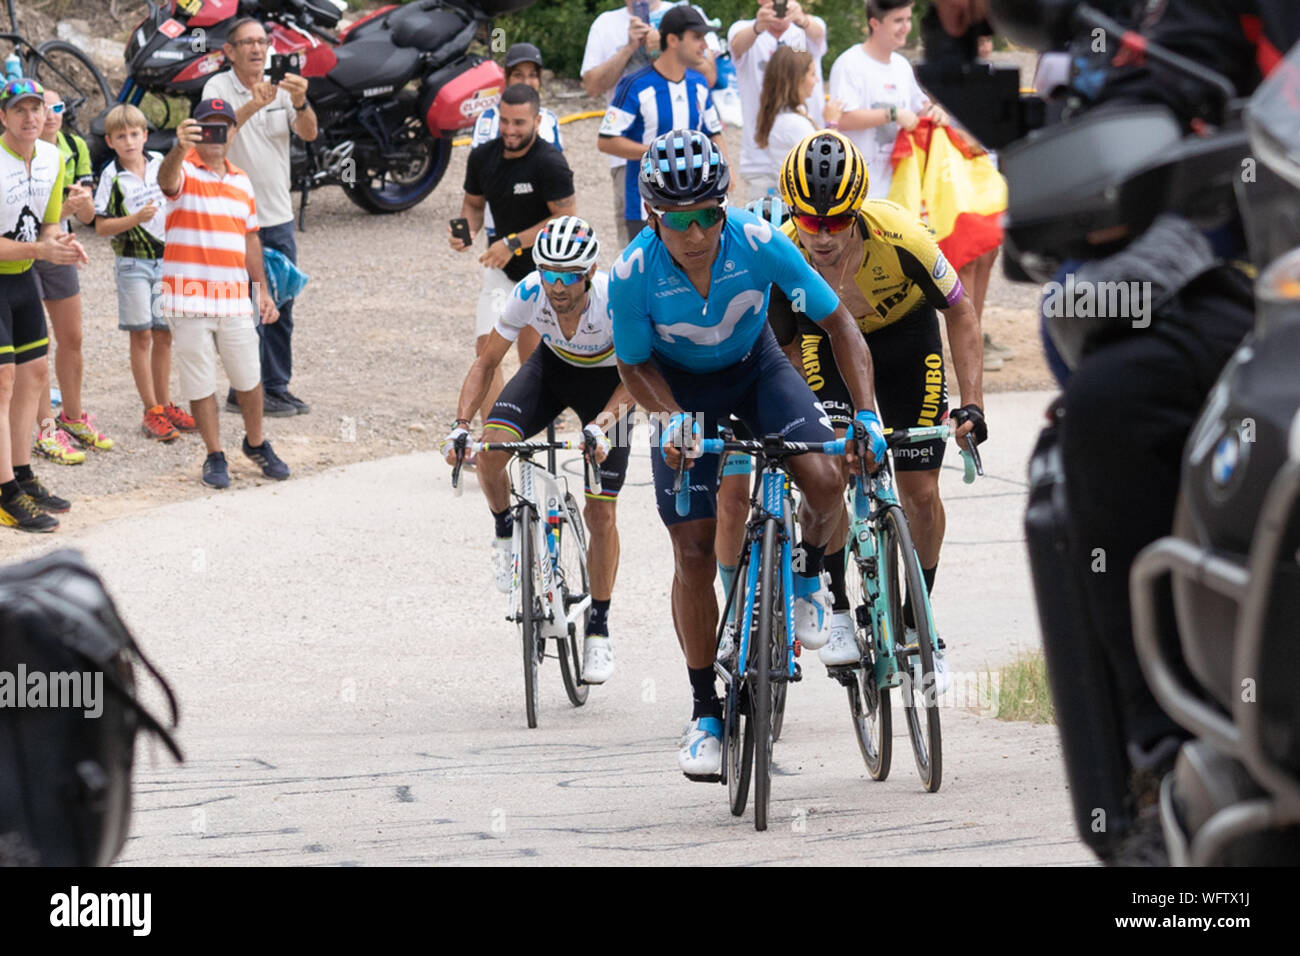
(503, 564)
(597, 659)
(700, 756)
(812, 618)
(843, 645)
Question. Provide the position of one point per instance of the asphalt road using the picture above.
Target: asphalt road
(351, 693)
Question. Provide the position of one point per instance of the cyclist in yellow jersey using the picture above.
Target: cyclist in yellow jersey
(890, 274)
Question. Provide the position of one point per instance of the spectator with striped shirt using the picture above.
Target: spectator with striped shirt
(128, 208)
(667, 94)
(211, 252)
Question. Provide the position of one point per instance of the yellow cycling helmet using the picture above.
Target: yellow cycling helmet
(824, 175)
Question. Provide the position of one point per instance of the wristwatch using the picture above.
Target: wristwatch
(514, 245)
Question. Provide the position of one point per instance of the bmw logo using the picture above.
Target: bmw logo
(1227, 460)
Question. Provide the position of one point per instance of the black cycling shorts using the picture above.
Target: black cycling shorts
(546, 385)
(23, 335)
(911, 384)
(763, 390)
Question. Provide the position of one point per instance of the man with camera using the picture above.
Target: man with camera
(266, 112)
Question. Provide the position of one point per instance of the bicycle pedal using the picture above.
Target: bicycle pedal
(798, 674)
(798, 647)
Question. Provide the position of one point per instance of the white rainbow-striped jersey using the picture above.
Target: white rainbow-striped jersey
(592, 345)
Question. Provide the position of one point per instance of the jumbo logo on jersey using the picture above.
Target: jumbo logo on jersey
(741, 305)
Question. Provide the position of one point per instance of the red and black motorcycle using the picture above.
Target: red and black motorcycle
(390, 91)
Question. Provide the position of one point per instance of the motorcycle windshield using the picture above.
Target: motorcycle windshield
(1269, 195)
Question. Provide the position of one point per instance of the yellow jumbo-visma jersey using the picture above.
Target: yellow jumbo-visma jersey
(902, 265)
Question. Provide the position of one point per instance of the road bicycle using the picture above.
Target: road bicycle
(550, 593)
(61, 66)
(882, 571)
(756, 675)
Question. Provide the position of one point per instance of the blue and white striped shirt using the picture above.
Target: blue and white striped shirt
(646, 105)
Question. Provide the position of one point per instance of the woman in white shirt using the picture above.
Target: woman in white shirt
(782, 116)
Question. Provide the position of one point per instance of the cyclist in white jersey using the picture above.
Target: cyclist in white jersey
(565, 301)
(31, 180)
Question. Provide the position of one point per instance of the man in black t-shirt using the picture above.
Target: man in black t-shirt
(526, 182)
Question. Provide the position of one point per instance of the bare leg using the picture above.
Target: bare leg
(30, 379)
(65, 322)
(919, 494)
(733, 510)
(695, 607)
(602, 548)
(6, 403)
(250, 406)
(491, 467)
(140, 359)
(204, 411)
(160, 362)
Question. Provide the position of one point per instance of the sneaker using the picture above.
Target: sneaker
(44, 500)
(1004, 352)
(266, 458)
(22, 513)
(232, 401)
(727, 646)
(157, 426)
(812, 616)
(180, 418)
(597, 659)
(302, 407)
(215, 474)
(276, 406)
(992, 363)
(58, 447)
(503, 564)
(843, 645)
(700, 756)
(83, 430)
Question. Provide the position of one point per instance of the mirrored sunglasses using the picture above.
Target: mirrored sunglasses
(681, 220)
(563, 278)
(832, 224)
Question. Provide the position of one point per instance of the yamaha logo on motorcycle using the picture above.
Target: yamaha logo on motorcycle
(390, 91)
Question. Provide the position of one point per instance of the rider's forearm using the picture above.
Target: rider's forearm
(475, 389)
(967, 351)
(618, 406)
(852, 358)
(646, 385)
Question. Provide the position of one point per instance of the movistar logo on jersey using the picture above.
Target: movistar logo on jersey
(751, 300)
(626, 263)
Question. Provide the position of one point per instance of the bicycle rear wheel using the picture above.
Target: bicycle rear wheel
(920, 696)
(529, 610)
(61, 66)
(766, 657)
(868, 702)
(574, 586)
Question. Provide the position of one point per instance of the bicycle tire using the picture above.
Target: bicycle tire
(573, 559)
(740, 750)
(528, 618)
(62, 66)
(920, 699)
(868, 702)
(771, 621)
(778, 710)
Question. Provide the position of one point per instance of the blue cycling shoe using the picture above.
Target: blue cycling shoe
(701, 755)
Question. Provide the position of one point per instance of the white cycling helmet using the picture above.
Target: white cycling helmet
(565, 242)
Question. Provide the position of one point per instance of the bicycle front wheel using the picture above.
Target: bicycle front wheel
(61, 66)
(920, 696)
(767, 656)
(574, 586)
(529, 610)
(868, 702)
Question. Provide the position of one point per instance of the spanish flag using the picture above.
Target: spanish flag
(954, 187)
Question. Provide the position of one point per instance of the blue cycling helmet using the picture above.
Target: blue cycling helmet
(772, 209)
(682, 167)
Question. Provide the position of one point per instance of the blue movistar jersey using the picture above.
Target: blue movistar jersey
(655, 308)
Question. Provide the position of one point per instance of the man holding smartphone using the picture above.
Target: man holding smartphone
(265, 115)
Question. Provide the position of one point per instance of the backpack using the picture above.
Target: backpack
(65, 771)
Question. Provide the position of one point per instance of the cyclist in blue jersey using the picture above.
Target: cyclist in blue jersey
(689, 299)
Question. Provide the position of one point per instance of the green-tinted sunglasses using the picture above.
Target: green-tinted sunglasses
(680, 220)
